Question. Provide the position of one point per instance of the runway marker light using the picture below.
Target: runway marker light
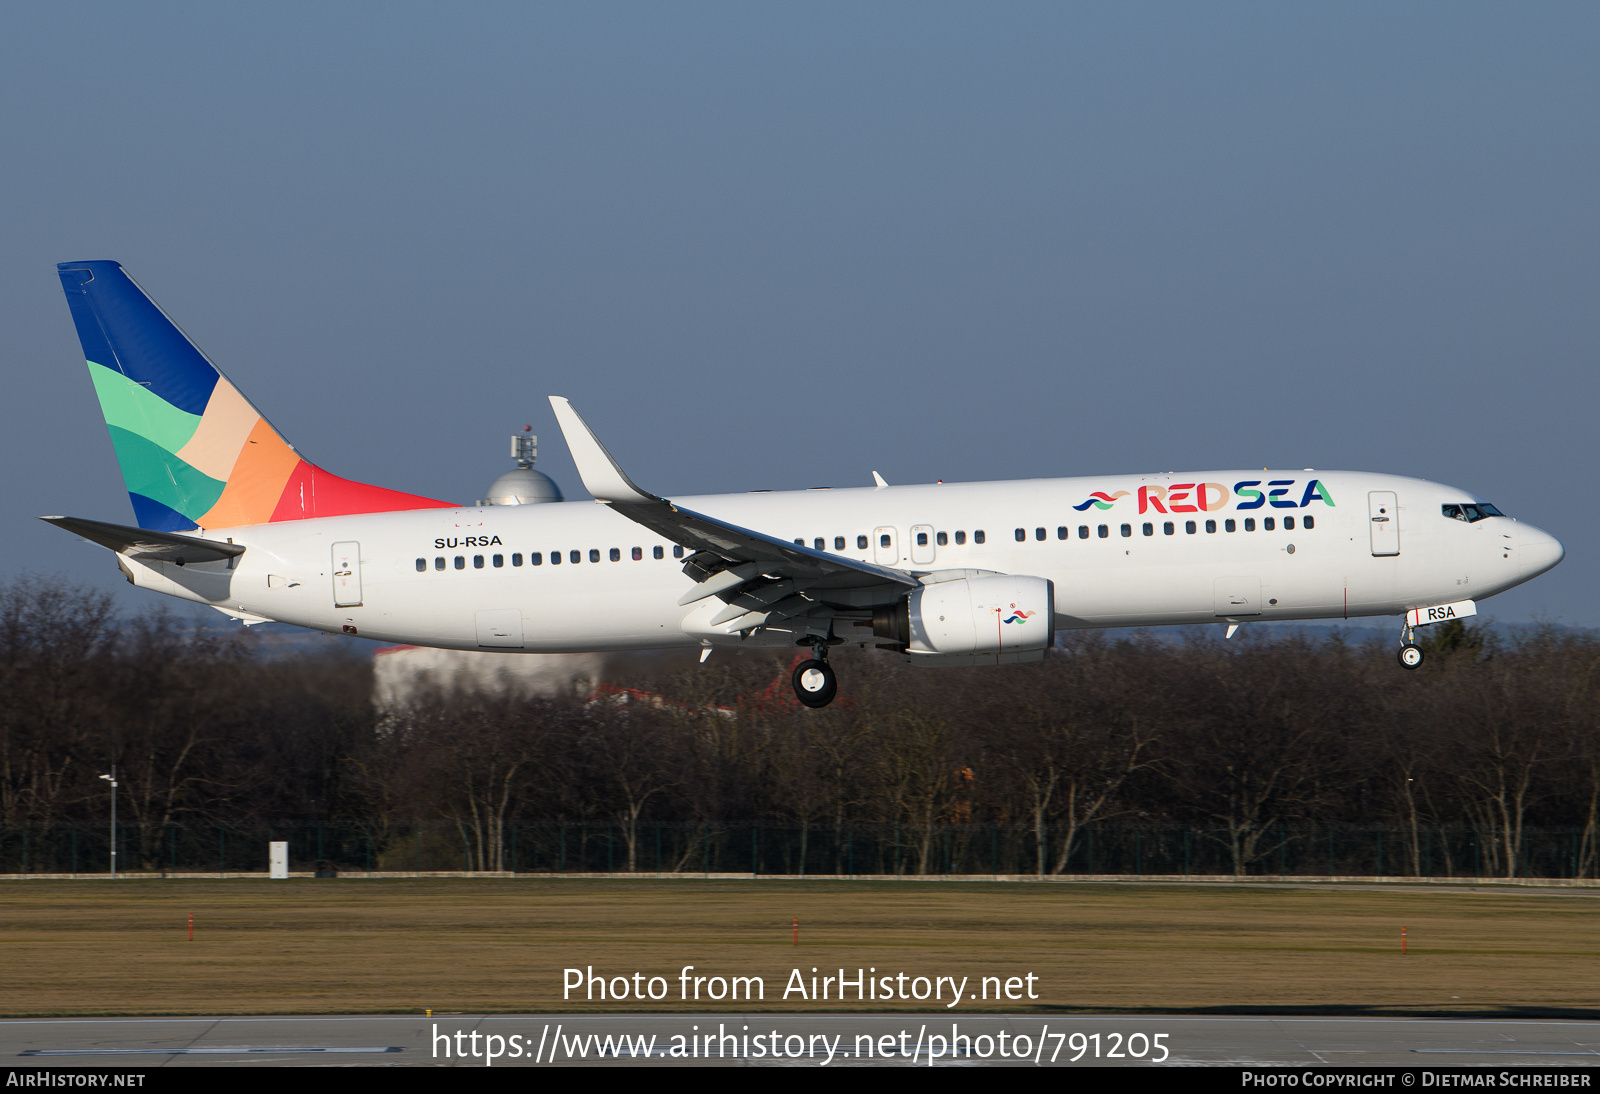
(797, 930)
(1402, 940)
(191, 926)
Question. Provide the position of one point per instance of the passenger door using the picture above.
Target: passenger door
(1383, 511)
(347, 575)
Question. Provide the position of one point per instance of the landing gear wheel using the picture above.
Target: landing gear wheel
(1410, 655)
(815, 684)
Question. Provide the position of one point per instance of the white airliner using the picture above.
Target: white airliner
(230, 516)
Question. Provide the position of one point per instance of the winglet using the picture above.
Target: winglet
(600, 473)
(877, 478)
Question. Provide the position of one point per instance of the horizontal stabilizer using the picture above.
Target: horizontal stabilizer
(145, 545)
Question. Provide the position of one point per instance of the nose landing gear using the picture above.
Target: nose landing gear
(1410, 654)
(815, 683)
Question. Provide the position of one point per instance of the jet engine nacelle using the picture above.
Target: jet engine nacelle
(982, 618)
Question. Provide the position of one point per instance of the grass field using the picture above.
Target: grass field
(309, 946)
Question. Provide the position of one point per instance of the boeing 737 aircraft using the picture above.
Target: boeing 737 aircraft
(229, 514)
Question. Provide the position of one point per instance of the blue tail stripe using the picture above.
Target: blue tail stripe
(120, 327)
(151, 514)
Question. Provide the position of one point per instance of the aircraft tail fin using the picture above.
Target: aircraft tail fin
(194, 452)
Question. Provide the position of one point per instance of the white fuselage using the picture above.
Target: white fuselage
(1109, 570)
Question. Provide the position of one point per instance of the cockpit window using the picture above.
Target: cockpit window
(1471, 512)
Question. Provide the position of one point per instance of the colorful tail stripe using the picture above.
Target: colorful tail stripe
(194, 452)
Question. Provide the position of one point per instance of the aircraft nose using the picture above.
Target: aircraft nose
(1537, 551)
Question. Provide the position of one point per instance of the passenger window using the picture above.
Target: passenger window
(922, 539)
(638, 554)
(574, 557)
(477, 562)
(961, 538)
(461, 562)
(977, 537)
(800, 542)
(555, 558)
(1308, 523)
(941, 539)
(516, 559)
(1104, 531)
(498, 560)
(1188, 526)
(1083, 531)
(537, 559)
(1127, 530)
(1038, 533)
(1021, 535)
(1288, 524)
(657, 552)
(422, 565)
(883, 540)
(677, 551)
(1249, 524)
(1149, 529)
(594, 554)
(1062, 532)
(820, 544)
(1267, 524)
(1168, 528)
(1211, 526)
(861, 543)
(438, 563)
(838, 543)
(616, 555)
(1230, 526)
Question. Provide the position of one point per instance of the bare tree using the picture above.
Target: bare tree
(1072, 737)
(1261, 745)
(56, 643)
(1507, 732)
(919, 768)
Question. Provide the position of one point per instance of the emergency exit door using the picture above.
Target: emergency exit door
(1383, 511)
(347, 575)
(886, 546)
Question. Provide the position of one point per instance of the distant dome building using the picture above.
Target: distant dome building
(524, 485)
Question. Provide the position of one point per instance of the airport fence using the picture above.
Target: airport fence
(766, 848)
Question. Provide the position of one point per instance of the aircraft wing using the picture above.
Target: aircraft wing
(145, 545)
(760, 575)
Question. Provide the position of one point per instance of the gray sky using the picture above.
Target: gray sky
(781, 246)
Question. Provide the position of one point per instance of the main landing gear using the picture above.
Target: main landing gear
(815, 683)
(1410, 654)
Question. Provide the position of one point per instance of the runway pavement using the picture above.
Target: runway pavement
(941, 1039)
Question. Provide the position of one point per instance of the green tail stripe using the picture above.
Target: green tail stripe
(161, 476)
(136, 409)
